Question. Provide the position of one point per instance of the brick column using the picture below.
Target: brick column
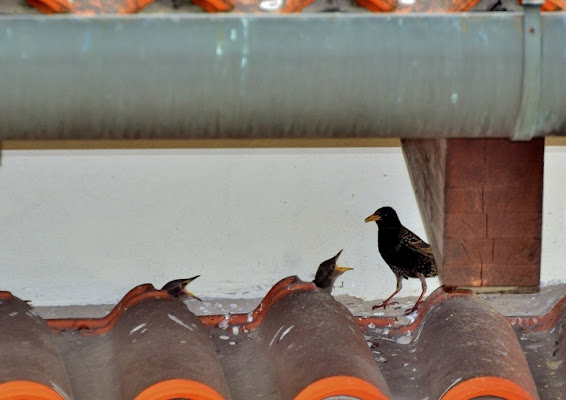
(481, 203)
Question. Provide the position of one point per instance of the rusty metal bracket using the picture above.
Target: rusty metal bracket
(532, 60)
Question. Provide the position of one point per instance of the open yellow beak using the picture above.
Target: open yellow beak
(372, 217)
(185, 291)
(343, 269)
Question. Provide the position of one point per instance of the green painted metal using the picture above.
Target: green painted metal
(221, 76)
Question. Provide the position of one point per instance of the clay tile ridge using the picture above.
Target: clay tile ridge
(41, 369)
(253, 319)
(32, 368)
(89, 7)
(293, 320)
(437, 297)
(544, 322)
(452, 326)
(486, 372)
(89, 326)
(97, 326)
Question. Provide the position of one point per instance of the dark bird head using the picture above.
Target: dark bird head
(327, 273)
(178, 288)
(384, 216)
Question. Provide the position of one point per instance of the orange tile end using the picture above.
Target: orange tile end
(179, 388)
(488, 386)
(27, 390)
(341, 386)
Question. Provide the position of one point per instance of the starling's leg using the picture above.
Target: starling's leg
(423, 284)
(397, 290)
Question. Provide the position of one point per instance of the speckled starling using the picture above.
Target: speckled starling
(407, 255)
(327, 273)
(178, 287)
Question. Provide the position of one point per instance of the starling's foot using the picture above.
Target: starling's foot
(384, 305)
(410, 311)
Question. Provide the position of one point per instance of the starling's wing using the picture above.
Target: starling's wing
(415, 243)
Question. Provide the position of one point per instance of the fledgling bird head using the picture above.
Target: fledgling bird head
(327, 273)
(384, 216)
(178, 288)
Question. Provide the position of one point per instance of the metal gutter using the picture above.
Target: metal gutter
(331, 75)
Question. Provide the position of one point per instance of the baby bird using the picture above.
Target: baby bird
(327, 273)
(407, 255)
(178, 287)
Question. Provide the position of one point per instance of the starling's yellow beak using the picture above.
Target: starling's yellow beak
(342, 269)
(372, 217)
(185, 291)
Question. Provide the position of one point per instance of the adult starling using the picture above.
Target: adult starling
(327, 273)
(178, 287)
(407, 255)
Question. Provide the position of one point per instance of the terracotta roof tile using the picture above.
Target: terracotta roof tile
(31, 361)
(89, 7)
(459, 347)
(299, 343)
(542, 339)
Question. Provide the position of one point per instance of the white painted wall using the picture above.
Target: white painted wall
(553, 261)
(85, 226)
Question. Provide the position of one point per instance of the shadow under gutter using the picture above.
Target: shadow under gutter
(258, 76)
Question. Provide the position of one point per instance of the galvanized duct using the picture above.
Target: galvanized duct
(344, 75)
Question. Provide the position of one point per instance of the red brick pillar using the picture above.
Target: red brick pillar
(481, 202)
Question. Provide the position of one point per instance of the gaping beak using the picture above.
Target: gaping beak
(336, 267)
(342, 269)
(372, 217)
(185, 291)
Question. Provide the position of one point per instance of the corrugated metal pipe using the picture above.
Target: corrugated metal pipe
(304, 75)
